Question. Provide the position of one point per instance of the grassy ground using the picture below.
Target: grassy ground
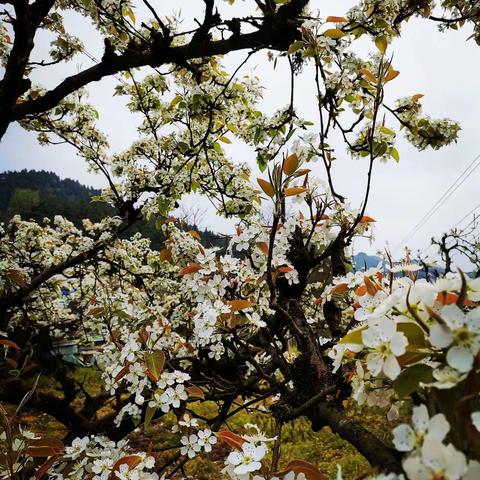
(324, 448)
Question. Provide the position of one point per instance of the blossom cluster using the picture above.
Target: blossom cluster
(100, 458)
(413, 336)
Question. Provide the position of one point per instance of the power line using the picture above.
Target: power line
(467, 215)
(446, 195)
(458, 223)
(440, 202)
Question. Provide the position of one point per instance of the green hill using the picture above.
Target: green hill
(39, 194)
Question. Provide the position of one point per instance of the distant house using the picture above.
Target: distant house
(74, 352)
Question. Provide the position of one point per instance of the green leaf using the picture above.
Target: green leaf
(183, 146)
(381, 43)
(386, 131)
(224, 139)
(334, 33)
(409, 379)
(379, 149)
(175, 100)
(149, 414)
(355, 336)
(262, 163)
(122, 314)
(155, 361)
(414, 334)
(163, 206)
(295, 47)
(394, 154)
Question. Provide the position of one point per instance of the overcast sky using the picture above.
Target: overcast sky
(442, 66)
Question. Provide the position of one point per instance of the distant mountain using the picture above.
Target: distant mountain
(363, 261)
(39, 194)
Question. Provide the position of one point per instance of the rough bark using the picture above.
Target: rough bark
(372, 448)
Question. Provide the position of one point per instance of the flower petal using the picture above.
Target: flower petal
(404, 438)
(460, 358)
(391, 367)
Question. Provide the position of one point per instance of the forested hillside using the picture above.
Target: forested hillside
(39, 194)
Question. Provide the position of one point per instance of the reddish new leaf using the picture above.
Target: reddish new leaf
(334, 19)
(190, 268)
(230, 438)
(194, 391)
(45, 447)
(267, 187)
(310, 471)
(131, 460)
(291, 164)
(340, 288)
(236, 305)
(9, 343)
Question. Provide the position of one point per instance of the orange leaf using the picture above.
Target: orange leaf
(301, 172)
(368, 75)
(16, 276)
(417, 96)
(194, 391)
(371, 287)
(165, 255)
(143, 335)
(310, 471)
(267, 187)
(263, 247)
(9, 343)
(447, 298)
(230, 438)
(45, 447)
(96, 311)
(190, 268)
(340, 288)
(334, 19)
(195, 234)
(285, 269)
(236, 305)
(366, 219)
(45, 467)
(291, 164)
(122, 373)
(288, 192)
(13, 363)
(391, 75)
(361, 291)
